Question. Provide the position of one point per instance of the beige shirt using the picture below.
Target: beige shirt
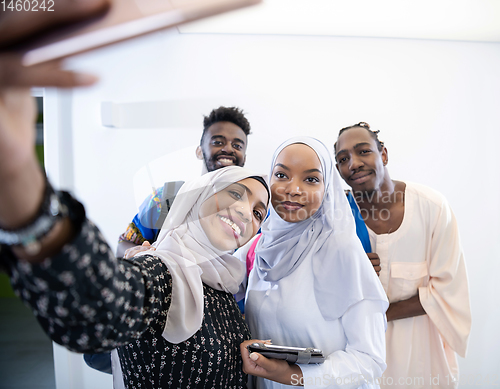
(424, 256)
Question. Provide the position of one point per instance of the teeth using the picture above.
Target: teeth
(234, 226)
(225, 160)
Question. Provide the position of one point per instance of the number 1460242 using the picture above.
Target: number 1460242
(27, 5)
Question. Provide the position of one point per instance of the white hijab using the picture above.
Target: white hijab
(342, 271)
(190, 257)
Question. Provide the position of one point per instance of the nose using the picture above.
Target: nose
(228, 148)
(294, 187)
(355, 163)
(244, 210)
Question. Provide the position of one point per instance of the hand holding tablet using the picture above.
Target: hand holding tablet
(289, 354)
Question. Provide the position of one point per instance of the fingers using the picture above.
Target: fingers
(375, 260)
(133, 251)
(128, 253)
(372, 255)
(376, 267)
(249, 366)
(146, 243)
(268, 365)
(243, 346)
(23, 24)
(14, 74)
(15, 26)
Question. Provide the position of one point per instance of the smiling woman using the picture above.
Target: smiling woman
(165, 304)
(312, 284)
(232, 216)
(297, 183)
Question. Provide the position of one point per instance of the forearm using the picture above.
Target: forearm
(88, 301)
(404, 309)
(123, 246)
(21, 193)
(296, 378)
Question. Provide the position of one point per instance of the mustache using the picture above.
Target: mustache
(360, 171)
(233, 154)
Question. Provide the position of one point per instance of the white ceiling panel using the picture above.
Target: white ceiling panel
(464, 20)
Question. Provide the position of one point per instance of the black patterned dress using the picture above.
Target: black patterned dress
(88, 301)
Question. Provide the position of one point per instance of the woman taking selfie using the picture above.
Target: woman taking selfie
(170, 311)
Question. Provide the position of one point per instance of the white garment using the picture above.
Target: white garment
(312, 285)
(424, 256)
(286, 312)
(116, 369)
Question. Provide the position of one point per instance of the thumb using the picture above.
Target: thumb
(146, 243)
(262, 361)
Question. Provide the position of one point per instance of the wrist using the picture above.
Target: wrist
(294, 376)
(21, 194)
(65, 227)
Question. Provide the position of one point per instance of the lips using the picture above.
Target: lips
(291, 206)
(225, 160)
(237, 227)
(360, 177)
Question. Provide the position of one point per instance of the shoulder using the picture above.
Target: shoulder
(151, 266)
(152, 201)
(156, 193)
(426, 194)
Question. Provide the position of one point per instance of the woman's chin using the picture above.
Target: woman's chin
(229, 244)
(225, 245)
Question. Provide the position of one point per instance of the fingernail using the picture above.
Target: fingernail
(254, 356)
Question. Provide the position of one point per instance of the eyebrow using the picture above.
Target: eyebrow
(313, 171)
(223, 137)
(245, 188)
(355, 147)
(305, 171)
(281, 165)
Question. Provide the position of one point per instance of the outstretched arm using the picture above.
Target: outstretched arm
(87, 300)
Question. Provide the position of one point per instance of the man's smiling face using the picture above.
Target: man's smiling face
(359, 161)
(224, 144)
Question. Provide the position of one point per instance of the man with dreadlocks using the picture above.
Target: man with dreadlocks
(414, 234)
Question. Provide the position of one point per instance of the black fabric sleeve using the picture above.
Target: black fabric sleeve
(87, 300)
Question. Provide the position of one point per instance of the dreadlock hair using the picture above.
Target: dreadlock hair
(226, 114)
(366, 126)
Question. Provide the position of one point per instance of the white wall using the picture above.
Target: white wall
(436, 104)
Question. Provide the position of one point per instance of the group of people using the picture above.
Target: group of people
(376, 278)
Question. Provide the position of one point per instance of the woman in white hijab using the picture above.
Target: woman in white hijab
(209, 219)
(312, 284)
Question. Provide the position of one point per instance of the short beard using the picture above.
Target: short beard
(213, 162)
(207, 162)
